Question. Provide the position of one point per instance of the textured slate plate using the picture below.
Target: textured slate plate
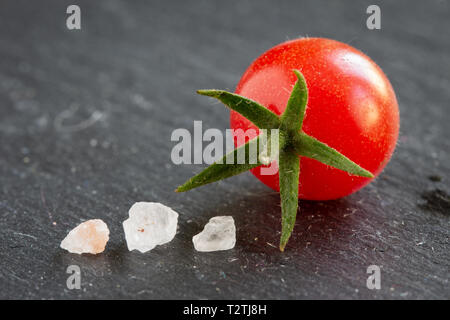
(85, 124)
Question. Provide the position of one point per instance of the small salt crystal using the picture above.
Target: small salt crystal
(219, 234)
(150, 224)
(88, 237)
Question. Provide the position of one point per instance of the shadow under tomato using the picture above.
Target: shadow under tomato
(320, 225)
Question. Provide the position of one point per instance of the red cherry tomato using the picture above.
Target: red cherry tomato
(351, 107)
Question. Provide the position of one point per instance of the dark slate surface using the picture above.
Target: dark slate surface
(85, 124)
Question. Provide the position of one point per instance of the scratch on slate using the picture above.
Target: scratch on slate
(44, 203)
(25, 235)
(59, 120)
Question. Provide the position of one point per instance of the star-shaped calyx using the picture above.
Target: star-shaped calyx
(292, 144)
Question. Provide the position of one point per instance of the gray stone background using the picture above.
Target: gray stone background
(85, 124)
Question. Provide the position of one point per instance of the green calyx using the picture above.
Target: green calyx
(292, 144)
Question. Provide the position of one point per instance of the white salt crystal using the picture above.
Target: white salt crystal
(150, 224)
(88, 237)
(219, 234)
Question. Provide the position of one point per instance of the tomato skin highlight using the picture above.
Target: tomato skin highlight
(351, 107)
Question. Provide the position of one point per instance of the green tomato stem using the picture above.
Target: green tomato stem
(292, 144)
